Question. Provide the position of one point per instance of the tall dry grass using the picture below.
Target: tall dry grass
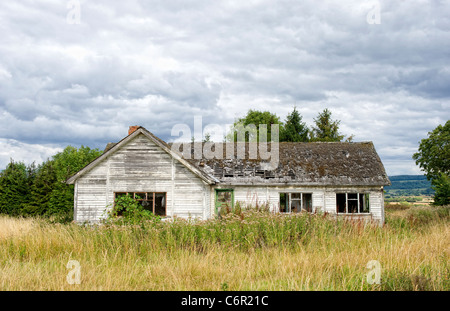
(249, 250)
(10, 226)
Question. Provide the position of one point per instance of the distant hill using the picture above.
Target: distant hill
(409, 185)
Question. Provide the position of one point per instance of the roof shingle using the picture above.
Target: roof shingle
(312, 163)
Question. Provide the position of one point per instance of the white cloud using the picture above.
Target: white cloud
(160, 63)
(22, 152)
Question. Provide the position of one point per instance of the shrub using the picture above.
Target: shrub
(128, 211)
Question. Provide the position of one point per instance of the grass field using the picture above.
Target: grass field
(253, 250)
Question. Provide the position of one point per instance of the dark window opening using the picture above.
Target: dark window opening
(284, 202)
(341, 203)
(295, 202)
(307, 202)
(352, 203)
(160, 204)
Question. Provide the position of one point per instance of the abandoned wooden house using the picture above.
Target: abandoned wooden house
(339, 178)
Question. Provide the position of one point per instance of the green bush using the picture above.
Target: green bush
(128, 211)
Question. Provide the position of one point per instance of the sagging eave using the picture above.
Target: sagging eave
(208, 179)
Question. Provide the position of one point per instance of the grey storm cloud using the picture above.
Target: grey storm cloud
(161, 63)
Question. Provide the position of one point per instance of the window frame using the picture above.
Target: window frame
(217, 191)
(289, 199)
(363, 197)
(146, 198)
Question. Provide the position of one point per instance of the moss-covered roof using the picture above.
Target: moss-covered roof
(312, 163)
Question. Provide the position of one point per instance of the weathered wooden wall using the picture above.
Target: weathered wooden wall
(140, 166)
(323, 198)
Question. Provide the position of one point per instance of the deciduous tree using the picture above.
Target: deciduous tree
(256, 118)
(433, 157)
(66, 163)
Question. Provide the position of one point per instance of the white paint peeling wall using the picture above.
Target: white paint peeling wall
(90, 195)
(142, 166)
(377, 205)
(323, 198)
(139, 166)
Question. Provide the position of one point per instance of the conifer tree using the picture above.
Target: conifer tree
(326, 129)
(294, 129)
(15, 188)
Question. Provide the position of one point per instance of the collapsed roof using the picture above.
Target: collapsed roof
(299, 163)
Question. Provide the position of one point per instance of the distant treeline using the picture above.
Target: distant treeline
(409, 185)
(30, 190)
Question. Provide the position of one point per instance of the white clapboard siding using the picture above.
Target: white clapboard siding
(318, 200)
(140, 166)
(189, 198)
(251, 195)
(323, 198)
(330, 201)
(376, 200)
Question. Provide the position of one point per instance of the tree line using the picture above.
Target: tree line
(30, 190)
(433, 154)
(40, 190)
(293, 129)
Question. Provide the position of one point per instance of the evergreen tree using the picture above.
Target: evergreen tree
(41, 189)
(326, 129)
(15, 191)
(207, 138)
(294, 129)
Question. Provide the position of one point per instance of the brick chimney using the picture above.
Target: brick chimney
(133, 129)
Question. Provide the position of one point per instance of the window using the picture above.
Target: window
(295, 202)
(352, 203)
(154, 202)
(224, 199)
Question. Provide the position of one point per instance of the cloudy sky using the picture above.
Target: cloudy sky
(80, 72)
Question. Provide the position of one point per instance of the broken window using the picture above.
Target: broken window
(307, 202)
(154, 202)
(364, 203)
(160, 204)
(295, 202)
(224, 199)
(352, 203)
(341, 202)
(284, 199)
